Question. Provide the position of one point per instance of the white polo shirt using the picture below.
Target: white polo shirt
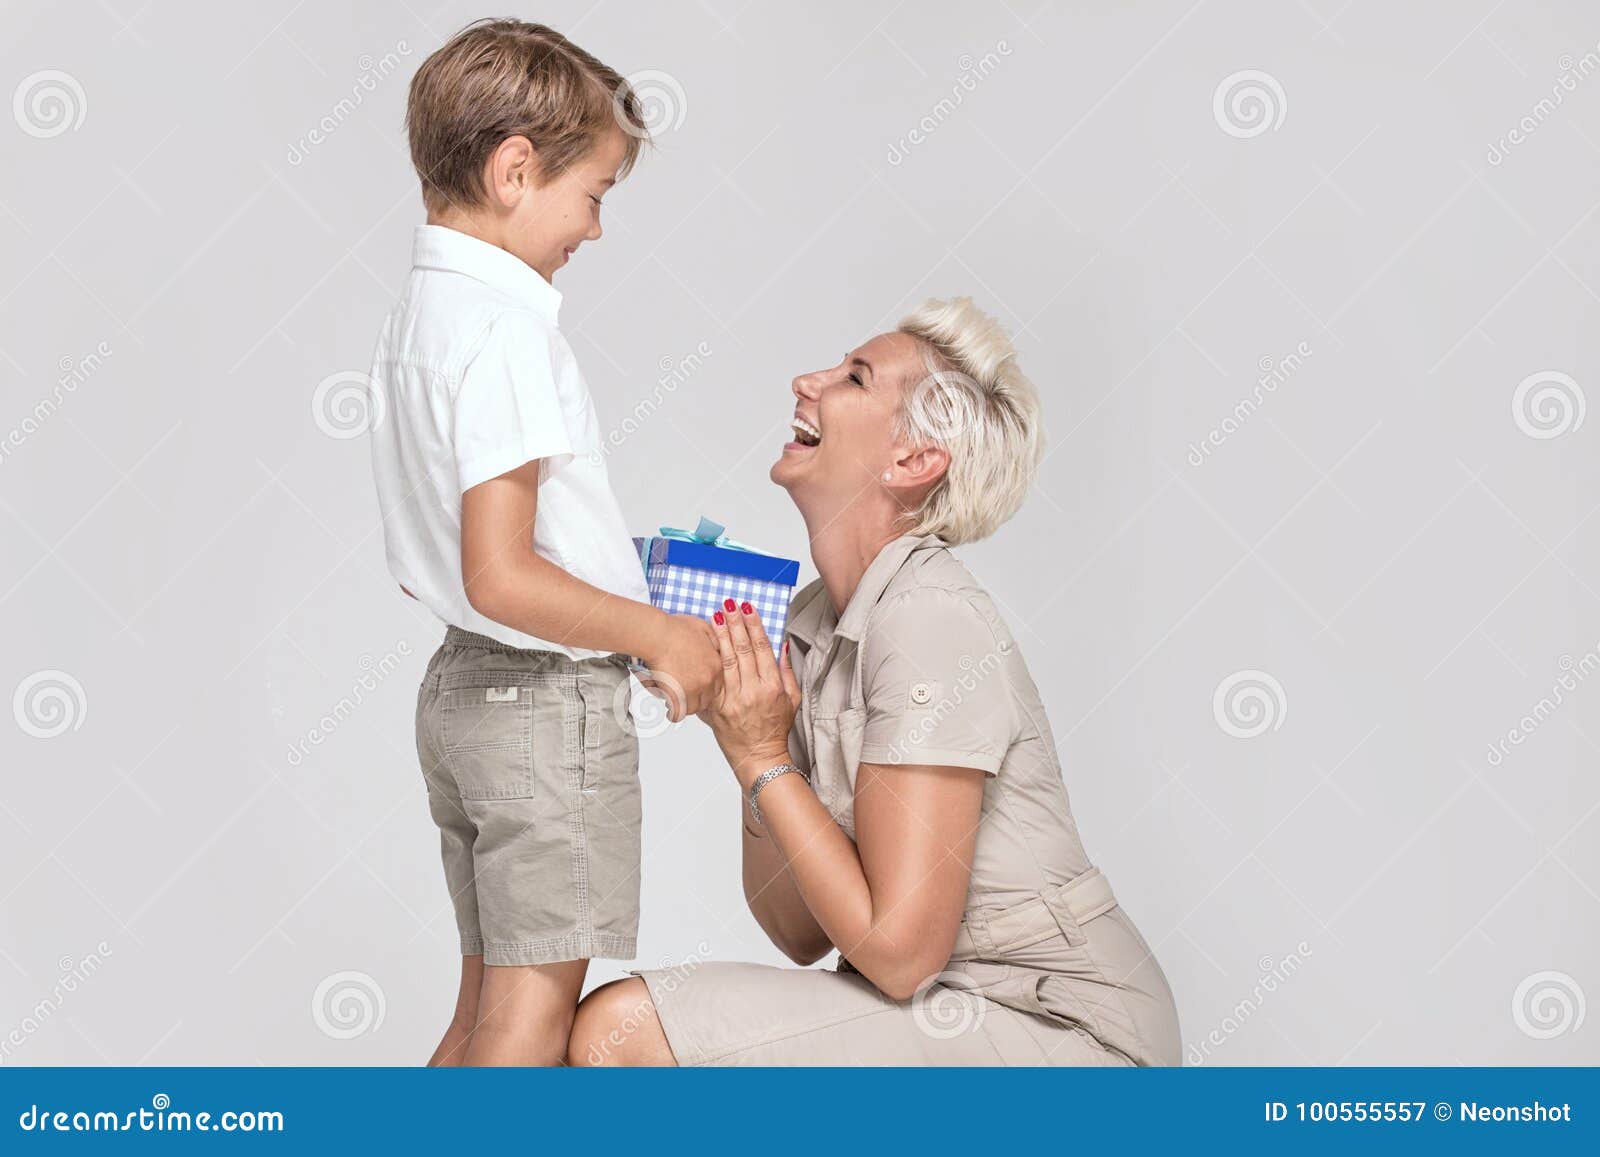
(473, 379)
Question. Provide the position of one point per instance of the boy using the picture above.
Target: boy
(499, 517)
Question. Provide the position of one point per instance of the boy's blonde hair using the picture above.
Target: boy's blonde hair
(503, 78)
(976, 403)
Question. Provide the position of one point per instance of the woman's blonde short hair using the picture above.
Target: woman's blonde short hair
(974, 401)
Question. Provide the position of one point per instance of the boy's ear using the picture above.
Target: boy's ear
(511, 170)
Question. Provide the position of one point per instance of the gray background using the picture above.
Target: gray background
(1384, 536)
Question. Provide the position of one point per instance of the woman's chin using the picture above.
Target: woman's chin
(789, 464)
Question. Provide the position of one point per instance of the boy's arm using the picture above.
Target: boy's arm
(511, 584)
(508, 582)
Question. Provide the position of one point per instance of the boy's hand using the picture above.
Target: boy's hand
(685, 666)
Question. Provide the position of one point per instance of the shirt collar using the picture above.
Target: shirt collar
(816, 621)
(440, 247)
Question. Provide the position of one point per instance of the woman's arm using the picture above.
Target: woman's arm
(774, 900)
(892, 902)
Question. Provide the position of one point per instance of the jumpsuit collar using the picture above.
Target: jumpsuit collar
(816, 623)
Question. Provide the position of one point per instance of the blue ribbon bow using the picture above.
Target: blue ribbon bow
(708, 533)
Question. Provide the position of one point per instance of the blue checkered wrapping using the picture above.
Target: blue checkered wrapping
(687, 590)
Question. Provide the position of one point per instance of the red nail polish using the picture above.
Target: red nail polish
(727, 604)
(717, 618)
(746, 608)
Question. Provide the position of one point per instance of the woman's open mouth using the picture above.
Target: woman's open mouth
(805, 434)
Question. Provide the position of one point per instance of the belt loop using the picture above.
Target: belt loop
(1055, 901)
(980, 940)
(1081, 899)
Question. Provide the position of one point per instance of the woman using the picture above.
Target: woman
(907, 806)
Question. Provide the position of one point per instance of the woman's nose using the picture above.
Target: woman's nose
(807, 385)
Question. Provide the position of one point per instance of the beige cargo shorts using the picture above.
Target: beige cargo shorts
(532, 767)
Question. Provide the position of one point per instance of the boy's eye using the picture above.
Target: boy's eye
(593, 198)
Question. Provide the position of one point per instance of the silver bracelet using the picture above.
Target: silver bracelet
(765, 778)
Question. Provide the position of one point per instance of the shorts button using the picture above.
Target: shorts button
(921, 693)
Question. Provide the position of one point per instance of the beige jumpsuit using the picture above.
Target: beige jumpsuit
(1047, 969)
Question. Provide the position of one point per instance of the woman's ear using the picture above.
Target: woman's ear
(923, 466)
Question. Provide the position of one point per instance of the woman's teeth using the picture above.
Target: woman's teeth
(805, 433)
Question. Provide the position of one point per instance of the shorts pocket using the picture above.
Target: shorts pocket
(486, 734)
(608, 736)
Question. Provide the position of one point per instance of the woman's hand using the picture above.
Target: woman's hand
(752, 716)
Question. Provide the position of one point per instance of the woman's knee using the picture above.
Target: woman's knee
(616, 1025)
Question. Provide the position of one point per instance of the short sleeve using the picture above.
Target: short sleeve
(507, 409)
(936, 680)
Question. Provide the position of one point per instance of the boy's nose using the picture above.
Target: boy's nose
(594, 233)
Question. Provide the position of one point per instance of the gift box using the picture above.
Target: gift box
(690, 573)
